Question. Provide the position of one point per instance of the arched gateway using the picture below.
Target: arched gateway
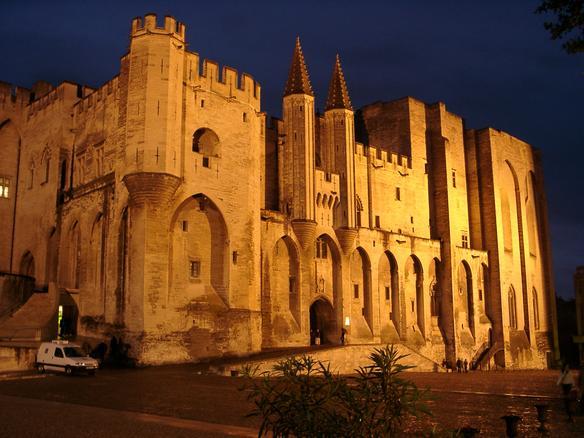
(322, 322)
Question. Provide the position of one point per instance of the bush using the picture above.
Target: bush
(302, 397)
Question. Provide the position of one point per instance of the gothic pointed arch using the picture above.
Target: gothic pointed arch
(123, 266)
(199, 262)
(388, 289)
(414, 294)
(95, 266)
(362, 302)
(328, 273)
(466, 296)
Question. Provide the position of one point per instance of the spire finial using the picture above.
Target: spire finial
(338, 96)
(298, 79)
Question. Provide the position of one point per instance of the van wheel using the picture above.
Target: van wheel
(68, 371)
(40, 368)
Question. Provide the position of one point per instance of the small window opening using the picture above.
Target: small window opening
(245, 117)
(206, 162)
(454, 178)
(194, 268)
(185, 226)
(321, 249)
(292, 285)
(4, 186)
(398, 194)
(387, 293)
(465, 241)
(356, 291)
(202, 103)
(377, 222)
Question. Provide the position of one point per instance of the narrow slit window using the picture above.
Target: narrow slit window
(194, 268)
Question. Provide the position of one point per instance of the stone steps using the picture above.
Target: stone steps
(34, 321)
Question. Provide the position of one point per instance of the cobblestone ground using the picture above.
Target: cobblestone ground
(476, 399)
(480, 399)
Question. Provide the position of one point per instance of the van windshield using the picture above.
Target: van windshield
(73, 352)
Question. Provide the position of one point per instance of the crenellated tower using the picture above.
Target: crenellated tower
(153, 77)
(298, 197)
(339, 150)
(152, 92)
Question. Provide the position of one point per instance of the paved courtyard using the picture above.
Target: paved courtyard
(178, 401)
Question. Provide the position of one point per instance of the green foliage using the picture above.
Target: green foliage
(569, 22)
(301, 397)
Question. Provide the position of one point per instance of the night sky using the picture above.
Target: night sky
(491, 63)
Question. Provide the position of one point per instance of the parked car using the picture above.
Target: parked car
(64, 356)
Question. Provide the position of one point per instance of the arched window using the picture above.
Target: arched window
(512, 309)
(535, 309)
(206, 142)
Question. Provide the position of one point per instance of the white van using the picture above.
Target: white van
(64, 356)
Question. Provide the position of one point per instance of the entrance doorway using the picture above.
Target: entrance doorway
(67, 317)
(323, 328)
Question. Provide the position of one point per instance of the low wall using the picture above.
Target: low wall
(17, 358)
(342, 360)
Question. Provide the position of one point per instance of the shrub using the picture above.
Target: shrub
(302, 397)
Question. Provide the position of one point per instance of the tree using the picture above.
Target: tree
(303, 398)
(569, 22)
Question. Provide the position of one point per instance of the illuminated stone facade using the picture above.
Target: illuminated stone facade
(164, 207)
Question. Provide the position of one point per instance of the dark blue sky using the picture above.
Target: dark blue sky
(490, 62)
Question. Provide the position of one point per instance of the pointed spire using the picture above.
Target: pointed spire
(338, 96)
(298, 80)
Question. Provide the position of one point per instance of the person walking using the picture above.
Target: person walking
(343, 335)
(566, 382)
(458, 365)
(465, 366)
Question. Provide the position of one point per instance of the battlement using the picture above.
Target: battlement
(11, 94)
(381, 158)
(91, 99)
(225, 80)
(149, 25)
(65, 91)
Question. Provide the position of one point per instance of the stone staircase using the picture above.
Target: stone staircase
(36, 320)
(342, 359)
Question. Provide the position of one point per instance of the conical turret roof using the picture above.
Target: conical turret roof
(338, 96)
(298, 80)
